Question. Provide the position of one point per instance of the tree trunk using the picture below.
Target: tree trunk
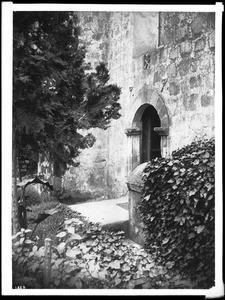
(15, 219)
(57, 179)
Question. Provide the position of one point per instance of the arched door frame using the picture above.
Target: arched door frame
(145, 98)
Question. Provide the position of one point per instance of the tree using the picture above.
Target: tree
(55, 93)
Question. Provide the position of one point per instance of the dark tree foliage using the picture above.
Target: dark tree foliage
(55, 95)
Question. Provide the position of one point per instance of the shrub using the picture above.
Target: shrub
(75, 196)
(36, 194)
(86, 256)
(177, 209)
(51, 225)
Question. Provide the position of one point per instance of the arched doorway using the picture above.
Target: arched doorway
(148, 129)
(150, 139)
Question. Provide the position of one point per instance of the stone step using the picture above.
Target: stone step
(111, 214)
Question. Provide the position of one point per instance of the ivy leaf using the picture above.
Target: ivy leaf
(61, 247)
(149, 266)
(16, 235)
(84, 249)
(34, 267)
(75, 237)
(147, 197)
(72, 253)
(191, 235)
(22, 240)
(166, 240)
(61, 234)
(196, 162)
(115, 264)
(206, 155)
(192, 192)
(170, 181)
(117, 281)
(68, 268)
(113, 274)
(88, 257)
(35, 248)
(125, 268)
(102, 275)
(94, 269)
(199, 229)
(107, 258)
(177, 218)
(28, 242)
(76, 281)
(127, 277)
(41, 251)
(170, 264)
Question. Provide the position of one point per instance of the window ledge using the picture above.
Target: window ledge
(162, 130)
(132, 131)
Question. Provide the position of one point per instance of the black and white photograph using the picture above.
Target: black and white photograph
(112, 149)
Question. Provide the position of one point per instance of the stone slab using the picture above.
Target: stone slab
(104, 212)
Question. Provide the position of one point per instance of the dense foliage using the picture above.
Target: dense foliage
(177, 208)
(87, 256)
(55, 93)
(57, 97)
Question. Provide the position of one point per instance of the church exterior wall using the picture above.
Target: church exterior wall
(177, 66)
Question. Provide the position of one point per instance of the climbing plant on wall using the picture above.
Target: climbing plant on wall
(177, 209)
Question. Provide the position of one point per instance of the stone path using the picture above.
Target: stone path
(106, 212)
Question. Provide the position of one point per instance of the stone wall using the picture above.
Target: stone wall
(178, 67)
(102, 168)
(182, 71)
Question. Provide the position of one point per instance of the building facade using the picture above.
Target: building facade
(164, 63)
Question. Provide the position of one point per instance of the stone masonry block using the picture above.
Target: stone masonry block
(184, 67)
(174, 88)
(171, 70)
(185, 47)
(182, 31)
(200, 44)
(193, 65)
(192, 102)
(206, 100)
(157, 77)
(212, 40)
(195, 81)
(162, 55)
(174, 53)
(184, 85)
(210, 81)
(196, 25)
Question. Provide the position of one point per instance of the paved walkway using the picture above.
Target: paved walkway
(106, 212)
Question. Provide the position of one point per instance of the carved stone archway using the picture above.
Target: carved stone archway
(147, 97)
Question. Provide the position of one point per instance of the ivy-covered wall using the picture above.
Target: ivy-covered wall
(177, 208)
